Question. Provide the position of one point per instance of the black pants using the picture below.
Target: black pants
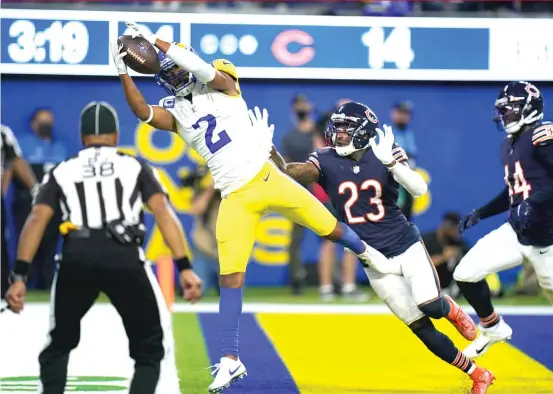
(43, 263)
(116, 271)
(5, 267)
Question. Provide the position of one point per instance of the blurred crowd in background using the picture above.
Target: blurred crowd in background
(335, 273)
(455, 8)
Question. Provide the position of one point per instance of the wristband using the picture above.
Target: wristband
(151, 115)
(183, 263)
(20, 271)
(391, 164)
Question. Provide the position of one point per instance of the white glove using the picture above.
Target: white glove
(118, 57)
(140, 32)
(260, 122)
(378, 262)
(383, 150)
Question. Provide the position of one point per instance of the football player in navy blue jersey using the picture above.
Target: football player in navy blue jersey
(527, 157)
(361, 172)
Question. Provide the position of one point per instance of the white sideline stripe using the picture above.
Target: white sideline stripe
(259, 307)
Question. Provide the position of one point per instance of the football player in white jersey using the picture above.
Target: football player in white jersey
(206, 109)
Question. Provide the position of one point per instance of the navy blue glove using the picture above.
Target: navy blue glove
(468, 221)
(520, 217)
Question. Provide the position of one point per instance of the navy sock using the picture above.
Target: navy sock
(230, 309)
(479, 297)
(440, 344)
(351, 240)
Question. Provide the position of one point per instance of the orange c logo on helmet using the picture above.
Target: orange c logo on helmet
(371, 116)
(532, 90)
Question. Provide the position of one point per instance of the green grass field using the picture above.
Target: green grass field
(282, 295)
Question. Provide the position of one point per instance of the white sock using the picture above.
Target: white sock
(348, 288)
(326, 289)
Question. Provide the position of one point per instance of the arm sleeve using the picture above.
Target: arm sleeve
(149, 182)
(184, 57)
(411, 180)
(497, 205)
(49, 192)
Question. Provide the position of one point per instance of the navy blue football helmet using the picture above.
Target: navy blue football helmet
(355, 119)
(518, 104)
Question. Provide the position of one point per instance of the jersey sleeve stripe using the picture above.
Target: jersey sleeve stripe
(314, 161)
(542, 139)
(399, 154)
(542, 133)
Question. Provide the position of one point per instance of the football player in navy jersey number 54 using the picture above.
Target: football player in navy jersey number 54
(527, 157)
(361, 171)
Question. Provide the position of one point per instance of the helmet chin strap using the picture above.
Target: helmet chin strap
(347, 150)
(515, 127)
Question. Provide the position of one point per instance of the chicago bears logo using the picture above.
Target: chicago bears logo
(371, 116)
(532, 90)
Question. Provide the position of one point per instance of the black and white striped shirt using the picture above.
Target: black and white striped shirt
(98, 186)
(9, 147)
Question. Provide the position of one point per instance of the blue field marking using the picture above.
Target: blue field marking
(534, 336)
(267, 373)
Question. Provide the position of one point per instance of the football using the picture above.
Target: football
(141, 55)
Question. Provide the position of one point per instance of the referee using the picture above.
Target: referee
(101, 193)
(11, 162)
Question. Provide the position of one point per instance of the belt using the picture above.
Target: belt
(116, 230)
(85, 233)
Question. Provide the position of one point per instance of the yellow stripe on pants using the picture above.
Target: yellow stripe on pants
(342, 354)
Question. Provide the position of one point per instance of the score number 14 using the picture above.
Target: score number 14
(67, 42)
(395, 48)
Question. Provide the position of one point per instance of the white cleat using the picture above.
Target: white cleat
(488, 337)
(226, 372)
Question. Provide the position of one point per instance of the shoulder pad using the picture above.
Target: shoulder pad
(167, 102)
(399, 153)
(543, 134)
(226, 66)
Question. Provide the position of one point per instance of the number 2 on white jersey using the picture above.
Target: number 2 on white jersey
(520, 185)
(366, 185)
(222, 137)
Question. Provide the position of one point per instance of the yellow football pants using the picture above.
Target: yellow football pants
(270, 191)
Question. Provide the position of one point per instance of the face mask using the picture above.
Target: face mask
(401, 125)
(44, 130)
(302, 115)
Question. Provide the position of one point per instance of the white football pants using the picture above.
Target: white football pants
(416, 286)
(500, 250)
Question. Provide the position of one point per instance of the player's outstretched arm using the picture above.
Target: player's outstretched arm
(190, 61)
(497, 205)
(156, 116)
(304, 173)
